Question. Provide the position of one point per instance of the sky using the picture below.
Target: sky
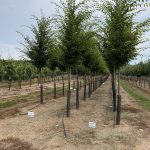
(16, 13)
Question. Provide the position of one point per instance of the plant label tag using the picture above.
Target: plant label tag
(92, 125)
(30, 114)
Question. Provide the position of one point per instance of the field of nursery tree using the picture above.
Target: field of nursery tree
(75, 87)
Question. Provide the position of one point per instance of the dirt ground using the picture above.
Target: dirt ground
(5, 93)
(49, 129)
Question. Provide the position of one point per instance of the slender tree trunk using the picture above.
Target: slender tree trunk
(63, 87)
(99, 83)
(38, 78)
(89, 85)
(114, 89)
(68, 93)
(85, 87)
(30, 81)
(80, 85)
(9, 86)
(41, 86)
(77, 90)
(144, 83)
(118, 101)
(93, 84)
(20, 83)
(54, 85)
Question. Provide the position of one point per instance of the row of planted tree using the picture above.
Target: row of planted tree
(79, 40)
(138, 74)
(69, 43)
(18, 71)
(85, 87)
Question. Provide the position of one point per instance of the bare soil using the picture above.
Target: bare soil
(14, 144)
(49, 129)
(5, 93)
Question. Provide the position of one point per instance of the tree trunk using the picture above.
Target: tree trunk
(54, 85)
(89, 94)
(91, 88)
(38, 79)
(63, 85)
(9, 86)
(41, 86)
(93, 84)
(68, 93)
(118, 101)
(77, 90)
(114, 89)
(30, 82)
(85, 87)
(80, 85)
(20, 83)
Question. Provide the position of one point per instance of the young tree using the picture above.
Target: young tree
(92, 59)
(9, 71)
(20, 72)
(29, 71)
(53, 62)
(37, 46)
(2, 69)
(46, 73)
(120, 37)
(71, 25)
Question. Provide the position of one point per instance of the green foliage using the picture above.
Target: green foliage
(9, 69)
(14, 69)
(37, 47)
(29, 70)
(120, 34)
(78, 43)
(71, 28)
(91, 56)
(141, 69)
(1, 69)
(20, 71)
(46, 72)
(55, 54)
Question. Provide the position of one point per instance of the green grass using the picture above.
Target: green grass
(7, 104)
(35, 96)
(137, 95)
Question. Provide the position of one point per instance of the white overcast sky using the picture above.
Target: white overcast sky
(15, 13)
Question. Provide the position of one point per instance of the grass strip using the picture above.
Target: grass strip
(136, 94)
(7, 104)
(29, 97)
